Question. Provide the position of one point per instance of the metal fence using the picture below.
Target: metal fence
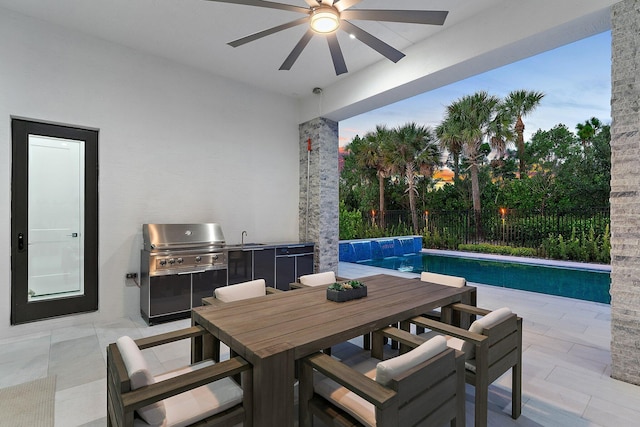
(510, 227)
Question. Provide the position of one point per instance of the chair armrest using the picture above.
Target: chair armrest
(403, 337)
(168, 337)
(271, 290)
(164, 389)
(447, 329)
(363, 386)
(470, 309)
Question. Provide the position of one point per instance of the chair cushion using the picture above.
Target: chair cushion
(240, 291)
(318, 279)
(491, 319)
(189, 407)
(443, 279)
(350, 402)
(389, 369)
(140, 376)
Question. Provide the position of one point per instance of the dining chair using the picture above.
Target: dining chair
(437, 314)
(492, 346)
(237, 292)
(422, 387)
(315, 279)
(200, 394)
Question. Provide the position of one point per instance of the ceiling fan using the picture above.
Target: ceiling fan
(326, 17)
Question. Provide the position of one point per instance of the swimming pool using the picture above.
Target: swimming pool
(584, 284)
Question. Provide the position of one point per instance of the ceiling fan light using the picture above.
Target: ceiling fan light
(325, 20)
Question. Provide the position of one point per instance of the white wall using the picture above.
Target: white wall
(175, 145)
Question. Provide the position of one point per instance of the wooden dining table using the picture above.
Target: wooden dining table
(273, 331)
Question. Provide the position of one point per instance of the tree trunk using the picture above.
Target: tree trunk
(475, 192)
(412, 198)
(456, 166)
(520, 144)
(381, 191)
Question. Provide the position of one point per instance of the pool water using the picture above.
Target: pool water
(589, 285)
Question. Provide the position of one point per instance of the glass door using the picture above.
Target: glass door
(54, 221)
(55, 218)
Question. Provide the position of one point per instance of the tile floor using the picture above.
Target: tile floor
(566, 363)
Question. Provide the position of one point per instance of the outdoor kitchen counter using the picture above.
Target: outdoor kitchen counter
(271, 245)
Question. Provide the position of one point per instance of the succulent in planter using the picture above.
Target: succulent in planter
(346, 291)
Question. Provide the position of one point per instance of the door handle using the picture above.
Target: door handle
(72, 235)
(20, 242)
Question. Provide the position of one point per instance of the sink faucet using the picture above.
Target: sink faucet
(244, 233)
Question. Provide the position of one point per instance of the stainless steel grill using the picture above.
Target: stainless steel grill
(182, 248)
(179, 265)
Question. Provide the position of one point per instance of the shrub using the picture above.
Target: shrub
(497, 249)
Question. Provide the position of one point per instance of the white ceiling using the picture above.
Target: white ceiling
(196, 32)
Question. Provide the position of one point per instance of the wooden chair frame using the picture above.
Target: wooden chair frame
(122, 401)
(497, 349)
(431, 393)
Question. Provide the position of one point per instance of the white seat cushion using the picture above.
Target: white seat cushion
(140, 376)
(387, 370)
(443, 279)
(350, 402)
(491, 319)
(186, 408)
(240, 291)
(318, 279)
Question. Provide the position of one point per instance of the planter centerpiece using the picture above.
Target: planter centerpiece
(346, 291)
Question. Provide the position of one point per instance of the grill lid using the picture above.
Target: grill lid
(181, 236)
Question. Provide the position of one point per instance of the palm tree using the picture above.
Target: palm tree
(372, 156)
(412, 151)
(475, 118)
(520, 103)
(448, 135)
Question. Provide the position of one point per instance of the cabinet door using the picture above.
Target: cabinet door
(169, 294)
(285, 271)
(203, 284)
(264, 265)
(304, 264)
(239, 264)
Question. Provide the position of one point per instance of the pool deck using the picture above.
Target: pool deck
(566, 361)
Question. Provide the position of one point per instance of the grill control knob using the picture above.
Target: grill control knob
(163, 262)
(198, 258)
(179, 260)
(172, 261)
(214, 257)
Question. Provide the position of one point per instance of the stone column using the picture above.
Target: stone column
(318, 206)
(625, 191)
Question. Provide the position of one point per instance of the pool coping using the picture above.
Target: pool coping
(522, 260)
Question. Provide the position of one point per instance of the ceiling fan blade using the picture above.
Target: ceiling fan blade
(267, 4)
(336, 54)
(433, 17)
(312, 3)
(327, 2)
(373, 42)
(345, 4)
(267, 32)
(297, 50)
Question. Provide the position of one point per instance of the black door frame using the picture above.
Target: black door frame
(22, 310)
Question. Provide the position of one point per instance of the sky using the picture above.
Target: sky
(575, 78)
